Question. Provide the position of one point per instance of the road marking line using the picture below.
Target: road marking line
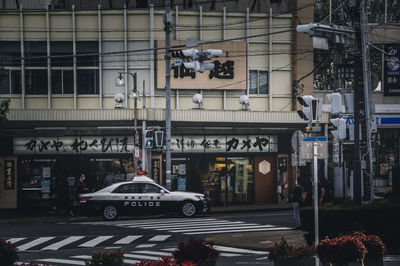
(174, 225)
(15, 240)
(239, 250)
(146, 246)
(127, 240)
(158, 253)
(62, 243)
(85, 257)
(159, 238)
(207, 227)
(95, 242)
(240, 230)
(70, 262)
(213, 228)
(33, 243)
(131, 261)
(141, 256)
(167, 222)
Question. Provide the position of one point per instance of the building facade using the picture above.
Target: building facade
(61, 67)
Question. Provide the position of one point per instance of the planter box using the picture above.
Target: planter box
(309, 261)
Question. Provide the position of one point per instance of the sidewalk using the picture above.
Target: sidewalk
(35, 216)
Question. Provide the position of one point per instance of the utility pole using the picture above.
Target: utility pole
(357, 91)
(167, 23)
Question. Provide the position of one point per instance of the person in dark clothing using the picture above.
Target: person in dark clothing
(82, 185)
(297, 199)
(109, 180)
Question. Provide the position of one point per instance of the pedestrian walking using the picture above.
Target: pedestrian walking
(297, 199)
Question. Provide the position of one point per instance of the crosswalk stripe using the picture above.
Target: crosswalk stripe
(146, 246)
(127, 240)
(206, 227)
(214, 228)
(159, 238)
(131, 261)
(140, 256)
(15, 240)
(166, 222)
(239, 230)
(85, 257)
(95, 242)
(157, 253)
(33, 243)
(70, 262)
(62, 243)
(239, 250)
(174, 225)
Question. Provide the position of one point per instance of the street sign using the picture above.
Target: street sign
(296, 138)
(335, 147)
(137, 152)
(307, 148)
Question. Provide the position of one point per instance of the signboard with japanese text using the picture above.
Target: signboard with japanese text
(392, 70)
(74, 145)
(224, 143)
(229, 71)
(9, 174)
(156, 170)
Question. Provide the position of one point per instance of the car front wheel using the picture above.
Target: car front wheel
(110, 213)
(188, 209)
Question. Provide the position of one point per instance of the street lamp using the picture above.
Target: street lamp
(120, 81)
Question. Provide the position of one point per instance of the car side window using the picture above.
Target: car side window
(150, 188)
(127, 188)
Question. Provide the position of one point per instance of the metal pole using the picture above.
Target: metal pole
(144, 152)
(367, 90)
(315, 165)
(357, 81)
(167, 22)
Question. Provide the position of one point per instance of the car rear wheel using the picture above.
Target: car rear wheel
(110, 213)
(188, 209)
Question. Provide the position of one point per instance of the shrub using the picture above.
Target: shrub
(8, 253)
(197, 251)
(164, 261)
(106, 258)
(284, 250)
(373, 243)
(341, 249)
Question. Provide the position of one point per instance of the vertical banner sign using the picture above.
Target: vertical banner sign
(155, 169)
(9, 175)
(241, 178)
(392, 70)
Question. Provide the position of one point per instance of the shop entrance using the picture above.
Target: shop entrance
(264, 179)
(67, 172)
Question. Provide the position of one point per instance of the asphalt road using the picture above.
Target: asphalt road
(148, 238)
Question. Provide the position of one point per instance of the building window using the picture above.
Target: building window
(61, 52)
(258, 82)
(62, 81)
(35, 54)
(88, 81)
(10, 61)
(36, 81)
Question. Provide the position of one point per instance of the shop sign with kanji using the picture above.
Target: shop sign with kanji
(74, 145)
(224, 143)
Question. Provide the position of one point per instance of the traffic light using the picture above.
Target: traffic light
(159, 138)
(197, 66)
(312, 108)
(340, 132)
(149, 139)
(336, 103)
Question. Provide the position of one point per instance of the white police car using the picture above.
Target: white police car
(141, 196)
